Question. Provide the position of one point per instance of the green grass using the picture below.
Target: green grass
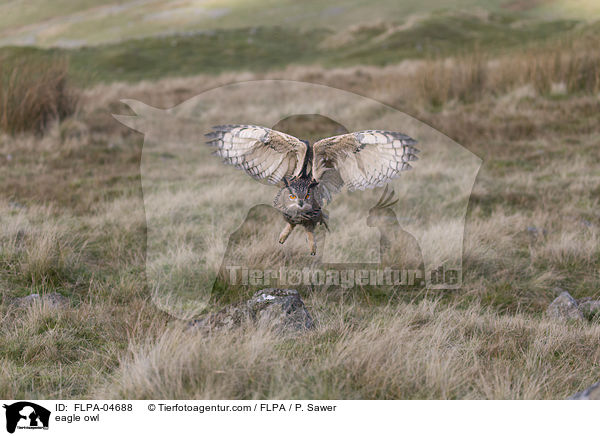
(151, 58)
(447, 34)
(85, 22)
(266, 48)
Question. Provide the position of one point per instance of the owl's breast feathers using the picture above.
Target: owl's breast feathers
(309, 217)
(313, 216)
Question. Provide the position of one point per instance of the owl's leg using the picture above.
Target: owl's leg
(311, 241)
(285, 233)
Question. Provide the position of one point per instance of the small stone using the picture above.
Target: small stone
(282, 307)
(591, 393)
(26, 301)
(53, 300)
(559, 88)
(534, 231)
(564, 308)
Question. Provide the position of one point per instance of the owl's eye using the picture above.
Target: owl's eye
(292, 197)
(306, 198)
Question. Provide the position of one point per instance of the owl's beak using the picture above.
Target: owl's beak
(300, 203)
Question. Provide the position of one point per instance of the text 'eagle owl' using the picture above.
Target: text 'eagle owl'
(310, 175)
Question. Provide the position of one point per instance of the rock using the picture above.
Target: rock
(564, 307)
(53, 300)
(590, 308)
(283, 309)
(591, 393)
(535, 232)
(226, 318)
(559, 88)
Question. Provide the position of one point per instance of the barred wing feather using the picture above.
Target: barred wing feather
(364, 159)
(263, 153)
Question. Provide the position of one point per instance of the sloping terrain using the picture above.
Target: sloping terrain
(70, 23)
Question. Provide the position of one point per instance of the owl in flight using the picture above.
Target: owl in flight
(309, 175)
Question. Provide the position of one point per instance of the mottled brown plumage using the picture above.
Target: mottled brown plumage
(310, 175)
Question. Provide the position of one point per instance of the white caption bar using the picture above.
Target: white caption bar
(292, 417)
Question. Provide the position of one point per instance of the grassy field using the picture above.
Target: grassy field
(74, 218)
(264, 48)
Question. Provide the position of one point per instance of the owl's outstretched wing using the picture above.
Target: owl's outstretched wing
(364, 159)
(264, 154)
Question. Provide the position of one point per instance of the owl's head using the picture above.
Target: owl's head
(297, 193)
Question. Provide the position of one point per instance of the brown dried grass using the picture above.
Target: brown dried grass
(33, 93)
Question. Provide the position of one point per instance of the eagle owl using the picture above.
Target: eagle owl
(309, 175)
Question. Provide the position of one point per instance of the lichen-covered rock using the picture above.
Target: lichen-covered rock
(282, 309)
(230, 316)
(564, 308)
(590, 308)
(591, 393)
(54, 300)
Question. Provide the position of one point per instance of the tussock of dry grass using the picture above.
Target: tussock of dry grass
(406, 352)
(33, 94)
(566, 70)
(58, 352)
(563, 68)
(36, 247)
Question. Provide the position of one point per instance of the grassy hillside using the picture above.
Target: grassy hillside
(83, 22)
(266, 48)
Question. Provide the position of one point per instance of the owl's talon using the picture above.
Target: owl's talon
(311, 242)
(285, 233)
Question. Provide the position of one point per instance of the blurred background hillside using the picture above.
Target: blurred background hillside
(148, 39)
(69, 23)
